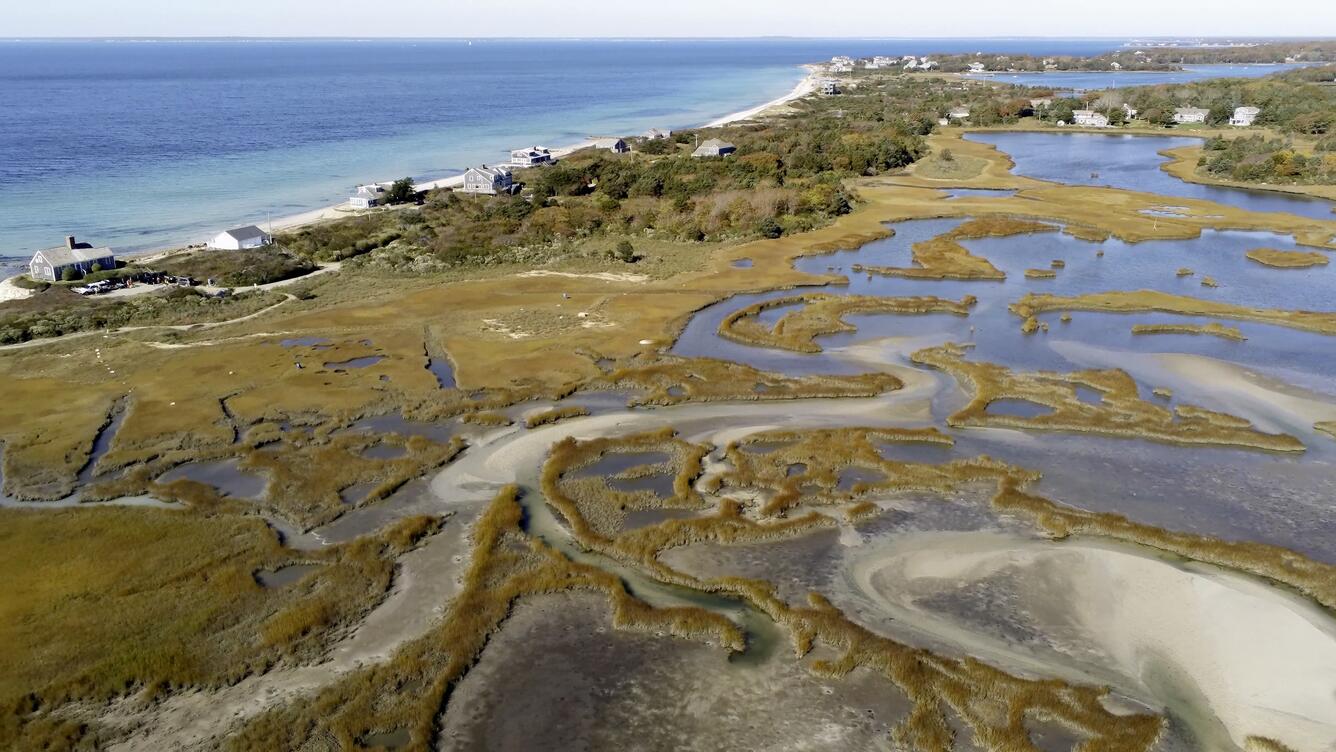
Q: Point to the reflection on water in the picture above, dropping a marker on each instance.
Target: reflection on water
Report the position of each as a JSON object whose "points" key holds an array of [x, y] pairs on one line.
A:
{"points": [[224, 475]]}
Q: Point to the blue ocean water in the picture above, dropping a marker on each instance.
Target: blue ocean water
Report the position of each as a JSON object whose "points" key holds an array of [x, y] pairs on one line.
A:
{"points": [[1087, 80], [149, 143]]}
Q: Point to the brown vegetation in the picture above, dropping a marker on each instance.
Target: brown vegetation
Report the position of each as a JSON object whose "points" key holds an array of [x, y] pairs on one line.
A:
{"points": [[1141, 301], [1214, 329], [1287, 259], [1120, 410], [820, 314]]}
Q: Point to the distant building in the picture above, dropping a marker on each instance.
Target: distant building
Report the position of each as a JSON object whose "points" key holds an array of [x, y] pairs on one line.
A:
{"points": [[714, 148], [1244, 116], [830, 86], [959, 113], [612, 144], [1041, 102], [1115, 66], [488, 180], [241, 238], [1129, 111], [1090, 119], [943, 121], [50, 265], [654, 134], [978, 67], [1184, 115], [530, 157]]}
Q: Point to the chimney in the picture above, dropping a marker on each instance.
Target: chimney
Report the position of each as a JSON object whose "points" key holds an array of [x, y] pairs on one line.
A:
{"points": [[69, 242]]}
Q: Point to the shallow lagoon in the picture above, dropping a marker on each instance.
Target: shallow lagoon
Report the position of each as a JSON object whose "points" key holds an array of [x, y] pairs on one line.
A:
{"points": [[1133, 163]]}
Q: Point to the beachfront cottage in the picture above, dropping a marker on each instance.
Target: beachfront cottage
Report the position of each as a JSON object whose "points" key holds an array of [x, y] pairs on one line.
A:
{"points": [[830, 87], [1244, 116], [654, 134], [1185, 115], [714, 148], [366, 196], [241, 238], [959, 113], [50, 265], [978, 67], [530, 157], [1090, 118], [488, 180], [616, 145]]}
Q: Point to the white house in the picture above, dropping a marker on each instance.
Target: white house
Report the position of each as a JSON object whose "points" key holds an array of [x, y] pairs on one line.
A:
{"points": [[1129, 111], [714, 148], [1115, 65], [612, 144], [1244, 116], [978, 67], [366, 196], [241, 238], [488, 180], [654, 134], [1040, 102], [959, 113], [830, 86], [50, 265], [530, 157], [1090, 119], [1184, 115]]}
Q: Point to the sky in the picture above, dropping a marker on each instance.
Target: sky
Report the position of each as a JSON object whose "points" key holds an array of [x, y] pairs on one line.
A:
{"points": [[691, 18]]}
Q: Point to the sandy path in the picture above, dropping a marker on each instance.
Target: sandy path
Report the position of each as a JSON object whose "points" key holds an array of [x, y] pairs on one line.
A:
{"points": [[164, 327], [1230, 655]]}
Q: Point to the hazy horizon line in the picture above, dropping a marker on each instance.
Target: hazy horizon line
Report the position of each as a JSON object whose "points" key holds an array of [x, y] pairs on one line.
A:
{"points": [[485, 37]]}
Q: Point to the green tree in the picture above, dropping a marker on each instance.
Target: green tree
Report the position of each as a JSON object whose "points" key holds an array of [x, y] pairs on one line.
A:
{"points": [[95, 268], [401, 192], [625, 252], [770, 228]]}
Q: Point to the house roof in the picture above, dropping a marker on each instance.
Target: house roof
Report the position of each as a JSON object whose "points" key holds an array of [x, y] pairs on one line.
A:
{"points": [[1192, 111], [62, 255], [715, 143], [491, 172], [249, 232], [605, 143]]}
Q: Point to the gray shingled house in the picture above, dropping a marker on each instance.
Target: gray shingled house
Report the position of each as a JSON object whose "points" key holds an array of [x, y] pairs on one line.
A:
{"points": [[50, 265]]}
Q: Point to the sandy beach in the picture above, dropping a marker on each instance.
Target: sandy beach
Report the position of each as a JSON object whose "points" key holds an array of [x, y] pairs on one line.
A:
{"points": [[302, 219], [802, 89], [1230, 655]]}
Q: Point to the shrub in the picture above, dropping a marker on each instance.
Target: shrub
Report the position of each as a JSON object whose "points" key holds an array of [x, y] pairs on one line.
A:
{"points": [[69, 275]]}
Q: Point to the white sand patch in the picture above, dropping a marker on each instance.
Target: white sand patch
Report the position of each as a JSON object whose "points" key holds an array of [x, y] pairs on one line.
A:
{"points": [[601, 276], [1271, 404], [10, 291], [1232, 656], [495, 326], [804, 87]]}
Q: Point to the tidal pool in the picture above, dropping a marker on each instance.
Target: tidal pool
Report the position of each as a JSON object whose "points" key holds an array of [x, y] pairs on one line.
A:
{"points": [[1133, 163]]}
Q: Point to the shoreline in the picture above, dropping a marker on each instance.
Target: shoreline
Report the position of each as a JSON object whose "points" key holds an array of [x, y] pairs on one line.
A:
{"points": [[804, 87]]}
